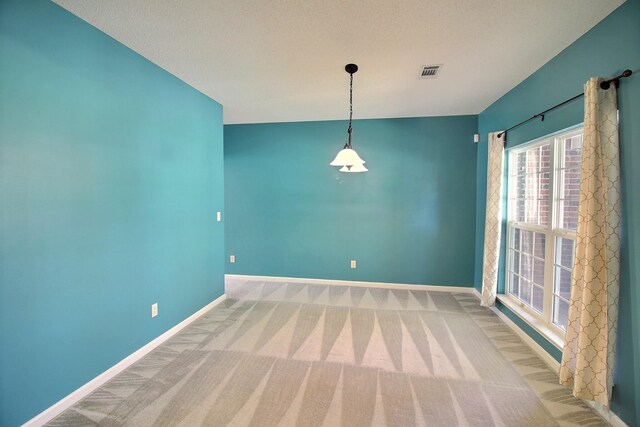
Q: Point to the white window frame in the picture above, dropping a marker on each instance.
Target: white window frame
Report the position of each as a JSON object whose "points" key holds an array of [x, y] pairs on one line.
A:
{"points": [[541, 322]]}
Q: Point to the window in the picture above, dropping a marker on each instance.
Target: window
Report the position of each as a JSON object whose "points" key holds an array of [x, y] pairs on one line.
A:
{"points": [[543, 194]]}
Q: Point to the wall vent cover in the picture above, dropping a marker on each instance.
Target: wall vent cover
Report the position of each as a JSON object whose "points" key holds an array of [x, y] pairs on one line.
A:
{"points": [[429, 71]]}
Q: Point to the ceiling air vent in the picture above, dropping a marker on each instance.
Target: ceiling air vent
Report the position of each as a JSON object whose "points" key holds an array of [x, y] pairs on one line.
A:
{"points": [[429, 71]]}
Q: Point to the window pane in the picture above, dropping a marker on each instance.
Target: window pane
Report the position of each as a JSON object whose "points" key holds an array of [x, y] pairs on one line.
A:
{"points": [[544, 194], [564, 252], [545, 157], [512, 167], [526, 241], [560, 312], [539, 245], [521, 162], [529, 185], [515, 281], [533, 160], [516, 238], [525, 291], [521, 180], [537, 298], [520, 186], [570, 183], [572, 152], [520, 210], [510, 259], [531, 211], [538, 271], [563, 283], [543, 212], [564, 267], [569, 214], [526, 267]]}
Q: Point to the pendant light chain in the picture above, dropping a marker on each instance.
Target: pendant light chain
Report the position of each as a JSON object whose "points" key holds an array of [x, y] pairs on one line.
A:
{"points": [[350, 106]]}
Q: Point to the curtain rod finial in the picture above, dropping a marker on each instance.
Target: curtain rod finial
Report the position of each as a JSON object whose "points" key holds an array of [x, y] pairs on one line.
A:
{"points": [[607, 83]]}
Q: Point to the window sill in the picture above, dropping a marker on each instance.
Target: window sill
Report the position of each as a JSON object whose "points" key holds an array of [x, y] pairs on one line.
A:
{"points": [[539, 326]]}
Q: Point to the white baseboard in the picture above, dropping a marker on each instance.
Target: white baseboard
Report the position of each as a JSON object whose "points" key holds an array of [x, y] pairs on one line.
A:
{"points": [[349, 283], [71, 399], [604, 412]]}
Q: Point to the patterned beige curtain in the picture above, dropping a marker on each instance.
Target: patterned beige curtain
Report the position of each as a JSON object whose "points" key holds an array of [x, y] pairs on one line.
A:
{"points": [[588, 354], [493, 220]]}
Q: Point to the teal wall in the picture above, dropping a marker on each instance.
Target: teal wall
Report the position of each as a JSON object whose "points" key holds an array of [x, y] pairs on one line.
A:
{"points": [[410, 219], [111, 172], [609, 48]]}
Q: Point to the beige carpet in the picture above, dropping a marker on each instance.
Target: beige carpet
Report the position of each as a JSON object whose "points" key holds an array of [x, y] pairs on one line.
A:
{"points": [[314, 355]]}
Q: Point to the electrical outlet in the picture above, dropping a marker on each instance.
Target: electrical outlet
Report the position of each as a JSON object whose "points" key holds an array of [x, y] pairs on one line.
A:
{"points": [[232, 259], [353, 263], [219, 216], [154, 310]]}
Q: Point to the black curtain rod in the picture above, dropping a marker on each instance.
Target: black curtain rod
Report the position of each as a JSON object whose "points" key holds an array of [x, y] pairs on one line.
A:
{"points": [[606, 84]]}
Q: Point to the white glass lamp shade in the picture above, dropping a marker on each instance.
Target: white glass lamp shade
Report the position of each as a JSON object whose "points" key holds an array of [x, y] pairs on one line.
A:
{"points": [[346, 157], [358, 167]]}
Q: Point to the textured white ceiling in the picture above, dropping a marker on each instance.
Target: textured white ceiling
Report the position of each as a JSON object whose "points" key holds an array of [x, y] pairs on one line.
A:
{"points": [[283, 60]]}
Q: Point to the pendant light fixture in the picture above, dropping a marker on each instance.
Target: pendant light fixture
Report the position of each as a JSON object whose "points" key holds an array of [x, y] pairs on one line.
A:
{"points": [[347, 157]]}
